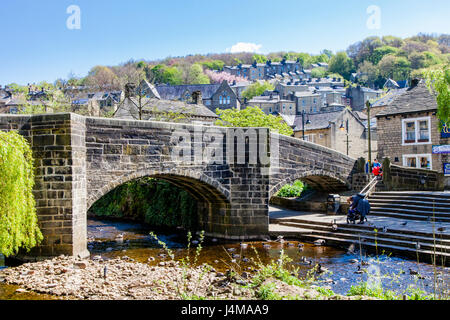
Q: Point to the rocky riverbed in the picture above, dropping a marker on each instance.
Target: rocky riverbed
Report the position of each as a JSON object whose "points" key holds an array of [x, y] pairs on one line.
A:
{"points": [[122, 279]]}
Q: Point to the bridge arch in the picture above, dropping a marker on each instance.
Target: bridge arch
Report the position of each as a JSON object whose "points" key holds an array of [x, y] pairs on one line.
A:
{"points": [[318, 179], [212, 198], [199, 185]]}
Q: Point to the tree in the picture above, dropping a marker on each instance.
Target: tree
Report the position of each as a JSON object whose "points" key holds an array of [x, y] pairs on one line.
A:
{"points": [[380, 52], [213, 64], [219, 77], [392, 41], [342, 64], [253, 117], [103, 78], [368, 73], [18, 219], [329, 53], [163, 74], [196, 75], [260, 58], [396, 68], [438, 81], [304, 59], [257, 89], [318, 72]]}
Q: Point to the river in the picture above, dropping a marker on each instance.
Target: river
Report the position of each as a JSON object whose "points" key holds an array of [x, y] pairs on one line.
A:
{"points": [[110, 239]]}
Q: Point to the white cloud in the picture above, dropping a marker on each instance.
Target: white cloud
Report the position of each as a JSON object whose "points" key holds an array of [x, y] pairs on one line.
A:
{"points": [[244, 47]]}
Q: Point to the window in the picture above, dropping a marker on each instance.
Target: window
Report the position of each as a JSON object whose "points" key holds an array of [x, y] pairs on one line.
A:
{"points": [[270, 110], [220, 100], [228, 100], [423, 131], [416, 131], [310, 138], [422, 161]]}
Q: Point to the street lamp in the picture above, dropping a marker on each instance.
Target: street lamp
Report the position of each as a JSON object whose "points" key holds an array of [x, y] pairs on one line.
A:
{"points": [[342, 128], [303, 122]]}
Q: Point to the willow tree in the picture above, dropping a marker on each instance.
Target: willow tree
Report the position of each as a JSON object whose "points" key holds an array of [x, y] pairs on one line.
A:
{"points": [[18, 220], [438, 80]]}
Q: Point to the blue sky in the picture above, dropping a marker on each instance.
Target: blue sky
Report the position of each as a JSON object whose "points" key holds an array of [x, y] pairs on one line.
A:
{"points": [[37, 45]]}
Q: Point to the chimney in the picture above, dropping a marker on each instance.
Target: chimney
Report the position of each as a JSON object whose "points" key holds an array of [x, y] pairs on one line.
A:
{"points": [[130, 90], [414, 83], [197, 97]]}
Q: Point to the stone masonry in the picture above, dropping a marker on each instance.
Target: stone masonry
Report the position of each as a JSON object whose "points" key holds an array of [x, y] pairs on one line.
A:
{"points": [[80, 159]]}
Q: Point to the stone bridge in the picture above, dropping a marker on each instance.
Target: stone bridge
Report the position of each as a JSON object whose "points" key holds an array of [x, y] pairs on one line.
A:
{"points": [[232, 172]]}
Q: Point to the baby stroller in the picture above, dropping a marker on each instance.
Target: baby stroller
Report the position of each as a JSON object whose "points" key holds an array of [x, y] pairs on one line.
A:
{"points": [[359, 209], [354, 215]]}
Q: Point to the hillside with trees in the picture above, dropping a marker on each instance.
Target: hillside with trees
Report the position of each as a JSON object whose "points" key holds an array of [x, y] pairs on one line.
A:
{"points": [[372, 60]]}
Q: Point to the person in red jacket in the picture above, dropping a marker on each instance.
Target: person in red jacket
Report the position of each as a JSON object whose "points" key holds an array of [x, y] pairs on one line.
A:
{"points": [[377, 169]]}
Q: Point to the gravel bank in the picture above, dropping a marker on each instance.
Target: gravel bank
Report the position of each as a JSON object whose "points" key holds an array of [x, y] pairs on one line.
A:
{"points": [[125, 279]]}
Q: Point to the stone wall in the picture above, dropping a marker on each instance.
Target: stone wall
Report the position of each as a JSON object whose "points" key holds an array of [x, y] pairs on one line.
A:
{"points": [[413, 179], [320, 167]]}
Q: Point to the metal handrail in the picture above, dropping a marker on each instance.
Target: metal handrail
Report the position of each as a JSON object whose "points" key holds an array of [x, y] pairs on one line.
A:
{"points": [[369, 187]]}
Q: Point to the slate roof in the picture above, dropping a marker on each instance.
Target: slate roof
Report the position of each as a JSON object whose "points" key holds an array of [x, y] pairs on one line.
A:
{"points": [[415, 99], [152, 106], [388, 98], [318, 120], [167, 92]]}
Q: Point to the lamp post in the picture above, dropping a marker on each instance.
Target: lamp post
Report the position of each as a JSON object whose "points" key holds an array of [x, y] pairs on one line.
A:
{"points": [[303, 123], [368, 105], [345, 128]]}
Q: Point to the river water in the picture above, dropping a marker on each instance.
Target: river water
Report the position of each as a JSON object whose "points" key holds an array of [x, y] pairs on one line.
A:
{"points": [[111, 239]]}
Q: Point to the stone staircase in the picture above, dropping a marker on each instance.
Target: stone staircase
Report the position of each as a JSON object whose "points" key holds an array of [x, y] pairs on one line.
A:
{"points": [[422, 245], [421, 206]]}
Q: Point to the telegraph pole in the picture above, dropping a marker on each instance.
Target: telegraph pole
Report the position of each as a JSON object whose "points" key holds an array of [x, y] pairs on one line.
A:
{"points": [[369, 136]]}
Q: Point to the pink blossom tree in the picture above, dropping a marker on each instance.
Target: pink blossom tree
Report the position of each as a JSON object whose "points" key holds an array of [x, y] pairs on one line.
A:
{"points": [[219, 77]]}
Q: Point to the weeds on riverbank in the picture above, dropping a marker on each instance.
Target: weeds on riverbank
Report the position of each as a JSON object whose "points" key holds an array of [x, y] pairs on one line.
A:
{"points": [[280, 279]]}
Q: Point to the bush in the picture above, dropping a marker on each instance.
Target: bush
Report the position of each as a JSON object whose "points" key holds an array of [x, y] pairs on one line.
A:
{"points": [[291, 191]]}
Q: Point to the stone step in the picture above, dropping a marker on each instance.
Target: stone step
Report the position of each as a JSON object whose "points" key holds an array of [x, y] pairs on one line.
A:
{"points": [[305, 234], [413, 203], [409, 196], [381, 237], [410, 210], [384, 213], [365, 227]]}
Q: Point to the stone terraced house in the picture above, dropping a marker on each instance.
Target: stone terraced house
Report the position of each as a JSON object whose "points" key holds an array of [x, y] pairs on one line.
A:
{"points": [[408, 129]]}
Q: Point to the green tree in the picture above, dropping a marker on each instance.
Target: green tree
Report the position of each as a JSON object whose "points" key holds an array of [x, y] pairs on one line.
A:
{"points": [[213, 64], [380, 52], [438, 80], [342, 64], [259, 58], [252, 117], [396, 68], [18, 219], [257, 89], [196, 75], [368, 73], [318, 72]]}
